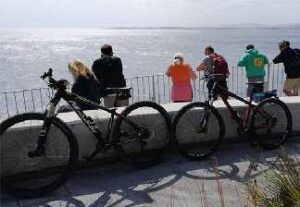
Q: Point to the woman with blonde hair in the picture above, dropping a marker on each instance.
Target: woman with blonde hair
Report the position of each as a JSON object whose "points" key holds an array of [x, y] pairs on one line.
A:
{"points": [[181, 74], [85, 84]]}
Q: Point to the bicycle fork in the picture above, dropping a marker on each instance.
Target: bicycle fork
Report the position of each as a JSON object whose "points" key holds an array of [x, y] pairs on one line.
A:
{"points": [[42, 137], [203, 124]]}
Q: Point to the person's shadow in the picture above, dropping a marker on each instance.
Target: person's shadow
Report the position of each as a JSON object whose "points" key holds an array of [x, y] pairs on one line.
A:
{"points": [[119, 185]]}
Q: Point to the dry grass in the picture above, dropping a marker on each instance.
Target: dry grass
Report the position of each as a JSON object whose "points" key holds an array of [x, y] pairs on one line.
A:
{"points": [[279, 186]]}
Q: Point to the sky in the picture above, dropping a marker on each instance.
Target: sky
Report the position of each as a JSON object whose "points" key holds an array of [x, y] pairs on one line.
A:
{"points": [[147, 13]]}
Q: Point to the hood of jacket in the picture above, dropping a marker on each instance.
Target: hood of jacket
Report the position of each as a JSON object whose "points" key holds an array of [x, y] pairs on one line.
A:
{"points": [[252, 52]]}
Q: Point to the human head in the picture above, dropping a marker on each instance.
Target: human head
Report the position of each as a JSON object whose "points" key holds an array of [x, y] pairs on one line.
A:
{"points": [[106, 49], [249, 47], [209, 50], [178, 58], [283, 45], [77, 68]]}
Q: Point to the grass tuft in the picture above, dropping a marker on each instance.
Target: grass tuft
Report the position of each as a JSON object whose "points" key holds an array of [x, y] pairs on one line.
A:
{"points": [[277, 187]]}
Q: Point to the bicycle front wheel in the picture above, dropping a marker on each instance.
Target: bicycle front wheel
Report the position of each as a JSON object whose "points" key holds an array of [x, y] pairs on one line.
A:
{"points": [[25, 175], [198, 130], [271, 123], [143, 141]]}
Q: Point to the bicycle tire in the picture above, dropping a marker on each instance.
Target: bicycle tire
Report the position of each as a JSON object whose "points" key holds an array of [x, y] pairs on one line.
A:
{"points": [[137, 150], [203, 140], [40, 175], [262, 135]]}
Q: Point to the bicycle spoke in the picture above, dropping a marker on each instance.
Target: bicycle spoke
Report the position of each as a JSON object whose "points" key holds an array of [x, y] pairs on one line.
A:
{"points": [[271, 123]]}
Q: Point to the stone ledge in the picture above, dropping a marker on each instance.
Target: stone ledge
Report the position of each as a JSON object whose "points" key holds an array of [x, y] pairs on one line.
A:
{"points": [[87, 142]]}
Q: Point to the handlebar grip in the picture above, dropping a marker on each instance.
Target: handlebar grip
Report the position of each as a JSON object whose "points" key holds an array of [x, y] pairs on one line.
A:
{"points": [[47, 74]]}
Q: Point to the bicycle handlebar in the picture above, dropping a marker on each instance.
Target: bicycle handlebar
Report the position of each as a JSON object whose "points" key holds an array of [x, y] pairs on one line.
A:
{"points": [[47, 74], [52, 83], [212, 76]]}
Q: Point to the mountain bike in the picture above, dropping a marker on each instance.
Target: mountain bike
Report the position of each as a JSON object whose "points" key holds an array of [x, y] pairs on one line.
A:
{"points": [[198, 128], [39, 151]]}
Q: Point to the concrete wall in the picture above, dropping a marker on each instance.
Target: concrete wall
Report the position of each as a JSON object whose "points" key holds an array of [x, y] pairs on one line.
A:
{"points": [[87, 142]]}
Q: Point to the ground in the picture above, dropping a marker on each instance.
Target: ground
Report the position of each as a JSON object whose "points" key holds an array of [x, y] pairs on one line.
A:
{"points": [[174, 182]]}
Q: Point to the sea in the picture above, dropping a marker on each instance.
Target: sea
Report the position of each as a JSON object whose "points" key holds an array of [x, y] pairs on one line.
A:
{"points": [[26, 53]]}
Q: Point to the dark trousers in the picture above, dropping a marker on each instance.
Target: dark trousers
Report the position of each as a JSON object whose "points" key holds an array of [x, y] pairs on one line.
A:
{"points": [[222, 83]]}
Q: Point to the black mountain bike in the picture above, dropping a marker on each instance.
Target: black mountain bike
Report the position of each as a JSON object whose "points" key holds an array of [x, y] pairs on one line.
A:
{"points": [[199, 128], [39, 151]]}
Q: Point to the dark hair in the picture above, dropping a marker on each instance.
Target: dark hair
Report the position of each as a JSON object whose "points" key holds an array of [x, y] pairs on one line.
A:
{"points": [[106, 49], [283, 44], [210, 49], [249, 47]]}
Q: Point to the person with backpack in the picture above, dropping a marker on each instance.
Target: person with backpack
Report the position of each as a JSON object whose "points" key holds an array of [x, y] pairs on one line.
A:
{"points": [[181, 74], [108, 70], [291, 62], [214, 63], [254, 63]]}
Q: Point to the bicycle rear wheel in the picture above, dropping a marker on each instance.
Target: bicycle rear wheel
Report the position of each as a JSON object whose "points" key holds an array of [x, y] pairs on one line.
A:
{"points": [[198, 130], [25, 175], [143, 144], [271, 123]]}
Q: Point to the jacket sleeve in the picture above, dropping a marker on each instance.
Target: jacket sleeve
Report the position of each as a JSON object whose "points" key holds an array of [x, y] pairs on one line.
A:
{"points": [[95, 71], [297, 52], [278, 59], [241, 61], [119, 65], [78, 88]]}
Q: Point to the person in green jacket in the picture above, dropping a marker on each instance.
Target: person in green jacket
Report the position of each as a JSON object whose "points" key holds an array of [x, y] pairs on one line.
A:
{"points": [[254, 62]]}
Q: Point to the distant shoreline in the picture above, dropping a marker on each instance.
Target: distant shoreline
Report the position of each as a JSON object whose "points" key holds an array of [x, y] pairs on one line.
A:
{"points": [[216, 27], [220, 27]]}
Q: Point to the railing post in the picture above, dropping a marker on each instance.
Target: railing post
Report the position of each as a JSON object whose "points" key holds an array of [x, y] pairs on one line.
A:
{"points": [[16, 104], [32, 98], [199, 85], [153, 89], [158, 91], [268, 77], [6, 103], [138, 88]]}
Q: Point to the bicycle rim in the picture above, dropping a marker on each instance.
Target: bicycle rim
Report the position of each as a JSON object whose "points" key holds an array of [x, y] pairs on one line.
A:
{"points": [[144, 145], [198, 129], [271, 123], [27, 176]]}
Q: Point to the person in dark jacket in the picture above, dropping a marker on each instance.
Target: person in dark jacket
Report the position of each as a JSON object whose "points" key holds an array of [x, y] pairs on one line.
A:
{"points": [[108, 70], [85, 85], [291, 61]]}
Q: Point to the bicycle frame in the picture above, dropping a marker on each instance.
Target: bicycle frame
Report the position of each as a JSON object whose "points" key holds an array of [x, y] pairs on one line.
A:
{"points": [[72, 99], [242, 121]]}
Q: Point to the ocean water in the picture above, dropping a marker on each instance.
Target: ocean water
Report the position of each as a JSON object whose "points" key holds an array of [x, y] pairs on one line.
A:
{"points": [[28, 52]]}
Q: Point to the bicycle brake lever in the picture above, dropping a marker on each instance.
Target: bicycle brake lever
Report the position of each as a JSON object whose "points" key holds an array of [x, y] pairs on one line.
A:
{"points": [[47, 74]]}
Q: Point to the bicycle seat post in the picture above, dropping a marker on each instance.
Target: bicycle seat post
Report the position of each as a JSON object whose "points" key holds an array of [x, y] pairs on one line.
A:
{"points": [[117, 97]]}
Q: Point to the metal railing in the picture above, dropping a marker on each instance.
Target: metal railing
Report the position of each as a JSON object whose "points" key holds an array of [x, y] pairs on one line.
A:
{"points": [[155, 88]]}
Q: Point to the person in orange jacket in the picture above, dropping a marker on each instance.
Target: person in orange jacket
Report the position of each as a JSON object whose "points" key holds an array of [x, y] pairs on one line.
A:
{"points": [[181, 75]]}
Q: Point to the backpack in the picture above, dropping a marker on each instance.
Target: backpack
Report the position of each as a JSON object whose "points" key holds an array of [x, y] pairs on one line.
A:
{"points": [[220, 65]]}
